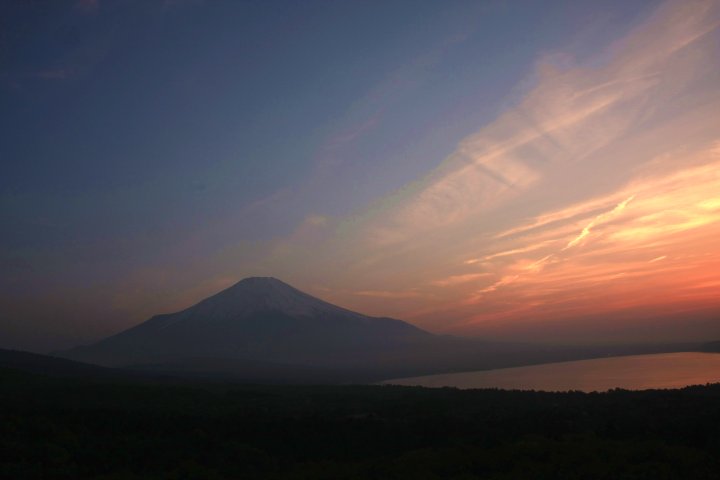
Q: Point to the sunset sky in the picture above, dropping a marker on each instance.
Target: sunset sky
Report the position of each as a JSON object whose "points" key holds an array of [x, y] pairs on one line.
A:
{"points": [[531, 170]]}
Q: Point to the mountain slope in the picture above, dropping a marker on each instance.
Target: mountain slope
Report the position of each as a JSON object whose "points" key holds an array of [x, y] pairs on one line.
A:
{"points": [[259, 319], [49, 365]]}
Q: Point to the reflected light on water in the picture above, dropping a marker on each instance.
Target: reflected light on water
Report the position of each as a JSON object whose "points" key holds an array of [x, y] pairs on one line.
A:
{"points": [[639, 372]]}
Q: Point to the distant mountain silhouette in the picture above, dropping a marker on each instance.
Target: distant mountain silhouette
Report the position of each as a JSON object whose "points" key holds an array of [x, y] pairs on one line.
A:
{"points": [[262, 329], [18, 364], [259, 319], [48, 365]]}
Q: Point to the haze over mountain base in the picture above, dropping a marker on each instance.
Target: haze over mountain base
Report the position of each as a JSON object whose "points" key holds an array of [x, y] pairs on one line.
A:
{"points": [[262, 329]]}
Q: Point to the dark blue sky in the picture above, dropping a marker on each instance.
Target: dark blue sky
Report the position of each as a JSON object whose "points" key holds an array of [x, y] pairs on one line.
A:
{"points": [[141, 134]]}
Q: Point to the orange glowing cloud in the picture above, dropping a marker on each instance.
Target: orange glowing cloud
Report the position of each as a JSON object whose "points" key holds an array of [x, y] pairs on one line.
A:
{"points": [[599, 192]]}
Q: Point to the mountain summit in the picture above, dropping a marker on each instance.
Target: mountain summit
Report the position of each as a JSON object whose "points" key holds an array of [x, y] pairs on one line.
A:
{"points": [[262, 294], [259, 319]]}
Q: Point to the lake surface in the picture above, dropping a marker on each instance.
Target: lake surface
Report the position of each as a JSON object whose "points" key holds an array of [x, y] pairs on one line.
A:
{"points": [[638, 372]]}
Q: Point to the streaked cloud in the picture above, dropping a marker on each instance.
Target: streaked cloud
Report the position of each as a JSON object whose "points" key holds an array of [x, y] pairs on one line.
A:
{"points": [[597, 220], [458, 279], [387, 294], [598, 192]]}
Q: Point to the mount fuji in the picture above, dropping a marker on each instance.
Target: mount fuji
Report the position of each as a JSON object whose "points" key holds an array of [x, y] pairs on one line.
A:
{"points": [[259, 319], [262, 329]]}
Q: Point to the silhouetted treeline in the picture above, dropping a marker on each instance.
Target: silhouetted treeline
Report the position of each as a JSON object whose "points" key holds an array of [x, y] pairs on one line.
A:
{"points": [[54, 428]]}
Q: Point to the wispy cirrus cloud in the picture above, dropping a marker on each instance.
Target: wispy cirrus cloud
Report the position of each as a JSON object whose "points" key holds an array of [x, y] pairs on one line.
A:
{"points": [[458, 279], [597, 192], [663, 220], [387, 294]]}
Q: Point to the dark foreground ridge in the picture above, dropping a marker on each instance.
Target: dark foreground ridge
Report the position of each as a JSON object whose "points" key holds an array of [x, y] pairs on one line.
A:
{"points": [[85, 428]]}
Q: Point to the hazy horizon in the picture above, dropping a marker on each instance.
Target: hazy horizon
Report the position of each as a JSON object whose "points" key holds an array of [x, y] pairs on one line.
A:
{"points": [[457, 165]]}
